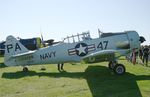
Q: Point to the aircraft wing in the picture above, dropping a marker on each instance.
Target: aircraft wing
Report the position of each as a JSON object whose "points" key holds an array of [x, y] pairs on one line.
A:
{"points": [[103, 55]]}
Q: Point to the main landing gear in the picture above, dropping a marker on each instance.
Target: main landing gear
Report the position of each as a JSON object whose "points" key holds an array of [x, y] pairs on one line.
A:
{"points": [[118, 69]]}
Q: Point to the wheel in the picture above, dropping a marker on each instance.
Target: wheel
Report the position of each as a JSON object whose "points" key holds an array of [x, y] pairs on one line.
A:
{"points": [[25, 69], [119, 69], [43, 68]]}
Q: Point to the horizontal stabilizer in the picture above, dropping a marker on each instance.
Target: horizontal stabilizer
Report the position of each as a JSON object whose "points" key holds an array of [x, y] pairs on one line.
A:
{"points": [[23, 54]]}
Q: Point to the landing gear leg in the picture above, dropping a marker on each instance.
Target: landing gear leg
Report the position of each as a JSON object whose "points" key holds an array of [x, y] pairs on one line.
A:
{"points": [[112, 64], [25, 69]]}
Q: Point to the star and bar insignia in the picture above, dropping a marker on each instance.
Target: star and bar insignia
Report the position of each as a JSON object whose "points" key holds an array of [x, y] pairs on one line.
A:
{"points": [[81, 49]]}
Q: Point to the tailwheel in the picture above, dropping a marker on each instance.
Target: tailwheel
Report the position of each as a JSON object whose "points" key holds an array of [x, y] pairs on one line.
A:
{"points": [[119, 69], [25, 69]]}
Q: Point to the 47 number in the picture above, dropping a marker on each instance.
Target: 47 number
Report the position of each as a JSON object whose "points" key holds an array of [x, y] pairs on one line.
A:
{"points": [[103, 45]]}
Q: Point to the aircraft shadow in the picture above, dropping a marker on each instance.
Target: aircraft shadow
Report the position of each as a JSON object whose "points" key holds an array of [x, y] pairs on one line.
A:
{"points": [[99, 79], [102, 84], [2, 65]]}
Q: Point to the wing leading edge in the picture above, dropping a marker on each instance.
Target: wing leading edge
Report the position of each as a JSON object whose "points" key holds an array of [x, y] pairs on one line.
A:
{"points": [[103, 55]]}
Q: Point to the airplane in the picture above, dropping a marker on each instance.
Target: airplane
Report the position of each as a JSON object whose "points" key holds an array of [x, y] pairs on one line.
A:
{"points": [[76, 48]]}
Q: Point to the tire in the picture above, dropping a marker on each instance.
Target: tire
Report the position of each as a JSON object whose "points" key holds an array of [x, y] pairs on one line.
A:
{"points": [[119, 69], [25, 69]]}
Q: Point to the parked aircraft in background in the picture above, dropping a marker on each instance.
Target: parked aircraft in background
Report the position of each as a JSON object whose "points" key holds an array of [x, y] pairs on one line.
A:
{"points": [[108, 47]]}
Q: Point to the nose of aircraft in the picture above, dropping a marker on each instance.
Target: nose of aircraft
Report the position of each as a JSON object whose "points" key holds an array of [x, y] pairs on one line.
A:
{"points": [[142, 39]]}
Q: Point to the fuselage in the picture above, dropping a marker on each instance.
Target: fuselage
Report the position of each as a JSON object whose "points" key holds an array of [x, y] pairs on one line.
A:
{"points": [[73, 52]]}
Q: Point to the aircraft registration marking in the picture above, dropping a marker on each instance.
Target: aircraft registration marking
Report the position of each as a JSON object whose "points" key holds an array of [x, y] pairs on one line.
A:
{"points": [[24, 58]]}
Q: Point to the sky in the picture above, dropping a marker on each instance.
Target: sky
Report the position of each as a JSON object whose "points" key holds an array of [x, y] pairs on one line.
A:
{"points": [[57, 19]]}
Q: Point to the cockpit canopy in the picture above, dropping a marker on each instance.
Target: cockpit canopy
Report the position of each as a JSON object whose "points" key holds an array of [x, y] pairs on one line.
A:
{"points": [[77, 38]]}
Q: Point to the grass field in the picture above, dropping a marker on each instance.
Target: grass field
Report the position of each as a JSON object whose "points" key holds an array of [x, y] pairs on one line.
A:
{"points": [[80, 80]]}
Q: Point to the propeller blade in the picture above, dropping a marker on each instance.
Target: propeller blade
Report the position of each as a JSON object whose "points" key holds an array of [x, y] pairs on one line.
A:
{"points": [[142, 39]]}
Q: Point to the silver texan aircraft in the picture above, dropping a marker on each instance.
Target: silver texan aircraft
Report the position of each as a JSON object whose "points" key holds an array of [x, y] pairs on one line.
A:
{"points": [[107, 47]]}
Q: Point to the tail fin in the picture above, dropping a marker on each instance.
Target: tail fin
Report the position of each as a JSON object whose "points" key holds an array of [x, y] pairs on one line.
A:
{"points": [[13, 47]]}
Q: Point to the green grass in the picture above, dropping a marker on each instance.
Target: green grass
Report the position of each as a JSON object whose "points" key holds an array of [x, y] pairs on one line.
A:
{"points": [[80, 80]]}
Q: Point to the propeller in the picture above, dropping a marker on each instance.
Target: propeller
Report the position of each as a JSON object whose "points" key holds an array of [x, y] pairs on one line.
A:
{"points": [[142, 39]]}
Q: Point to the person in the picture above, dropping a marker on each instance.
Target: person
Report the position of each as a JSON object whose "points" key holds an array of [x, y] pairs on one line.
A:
{"points": [[133, 56], [145, 55], [60, 66], [141, 53]]}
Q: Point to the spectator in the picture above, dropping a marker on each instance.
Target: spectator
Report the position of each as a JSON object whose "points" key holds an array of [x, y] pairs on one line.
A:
{"points": [[60, 66], [133, 57], [145, 55], [141, 53]]}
